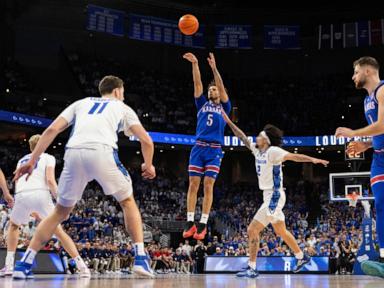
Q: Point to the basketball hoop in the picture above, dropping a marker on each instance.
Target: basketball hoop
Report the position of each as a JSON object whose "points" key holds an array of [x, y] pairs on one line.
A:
{"points": [[352, 199]]}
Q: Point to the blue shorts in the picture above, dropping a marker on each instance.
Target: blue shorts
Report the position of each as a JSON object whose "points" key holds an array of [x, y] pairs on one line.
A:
{"points": [[205, 160], [377, 169]]}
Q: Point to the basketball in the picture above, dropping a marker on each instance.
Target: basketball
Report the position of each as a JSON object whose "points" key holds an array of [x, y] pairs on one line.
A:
{"points": [[188, 24]]}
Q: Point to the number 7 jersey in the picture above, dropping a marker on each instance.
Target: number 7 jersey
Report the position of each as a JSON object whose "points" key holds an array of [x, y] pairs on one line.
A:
{"points": [[97, 121], [210, 122]]}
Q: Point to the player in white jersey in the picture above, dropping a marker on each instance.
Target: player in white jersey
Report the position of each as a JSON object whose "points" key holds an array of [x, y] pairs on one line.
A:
{"points": [[91, 153], [268, 159], [34, 196]]}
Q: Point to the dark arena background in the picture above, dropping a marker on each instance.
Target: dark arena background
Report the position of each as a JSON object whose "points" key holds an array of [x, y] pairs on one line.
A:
{"points": [[291, 67]]}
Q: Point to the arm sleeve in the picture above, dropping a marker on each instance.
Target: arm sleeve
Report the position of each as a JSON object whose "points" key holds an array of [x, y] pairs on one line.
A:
{"points": [[130, 118], [227, 106], [200, 101], [277, 154]]}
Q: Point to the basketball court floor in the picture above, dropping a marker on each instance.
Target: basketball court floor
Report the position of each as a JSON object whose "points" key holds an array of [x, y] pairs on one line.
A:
{"points": [[197, 281]]}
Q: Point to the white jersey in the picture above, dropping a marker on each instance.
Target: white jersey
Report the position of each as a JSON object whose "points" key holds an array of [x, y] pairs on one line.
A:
{"points": [[269, 167], [37, 180], [97, 121]]}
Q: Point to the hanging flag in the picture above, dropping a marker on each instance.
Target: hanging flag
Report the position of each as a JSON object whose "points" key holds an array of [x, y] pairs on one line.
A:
{"points": [[376, 32], [350, 35], [363, 34], [337, 39], [324, 36]]}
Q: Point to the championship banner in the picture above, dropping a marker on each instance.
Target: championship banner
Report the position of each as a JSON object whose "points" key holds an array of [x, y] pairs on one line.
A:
{"points": [[281, 37], [106, 20], [147, 28], [233, 36]]}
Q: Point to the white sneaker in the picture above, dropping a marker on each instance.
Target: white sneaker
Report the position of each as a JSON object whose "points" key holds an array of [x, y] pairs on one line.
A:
{"points": [[6, 271], [85, 272]]}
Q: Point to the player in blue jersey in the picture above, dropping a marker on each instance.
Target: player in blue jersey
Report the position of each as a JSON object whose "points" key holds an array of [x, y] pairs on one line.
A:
{"points": [[366, 76], [206, 155]]}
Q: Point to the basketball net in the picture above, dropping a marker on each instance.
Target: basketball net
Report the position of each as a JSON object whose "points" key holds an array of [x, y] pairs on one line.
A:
{"points": [[352, 199]]}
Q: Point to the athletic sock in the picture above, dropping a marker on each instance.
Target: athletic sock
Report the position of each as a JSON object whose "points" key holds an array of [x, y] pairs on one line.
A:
{"points": [[299, 255], [190, 216], [29, 256], [204, 218]]}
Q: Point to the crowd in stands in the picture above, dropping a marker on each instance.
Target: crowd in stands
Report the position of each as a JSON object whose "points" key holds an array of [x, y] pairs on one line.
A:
{"points": [[97, 225], [164, 102]]}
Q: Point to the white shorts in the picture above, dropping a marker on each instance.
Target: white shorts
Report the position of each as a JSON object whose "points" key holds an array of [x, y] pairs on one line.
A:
{"points": [[265, 215], [27, 202], [84, 165]]}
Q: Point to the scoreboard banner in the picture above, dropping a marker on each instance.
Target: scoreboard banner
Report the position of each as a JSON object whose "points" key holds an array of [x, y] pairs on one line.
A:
{"points": [[271, 264], [106, 20], [46, 262], [233, 36], [147, 28], [183, 139]]}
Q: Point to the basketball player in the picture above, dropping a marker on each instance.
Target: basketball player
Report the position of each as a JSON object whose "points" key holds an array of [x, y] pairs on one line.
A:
{"points": [[34, 197], [206, 155], [269, 158], [4, 187], [91, 153], [366, 76]]}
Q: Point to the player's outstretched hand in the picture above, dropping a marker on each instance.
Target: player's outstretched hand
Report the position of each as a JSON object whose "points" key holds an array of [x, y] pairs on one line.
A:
{"points": [[355, 147], [320, 161], [212, 61], [9, 199], [26, 168], [344, 132], [148, 172], [190, 57]]}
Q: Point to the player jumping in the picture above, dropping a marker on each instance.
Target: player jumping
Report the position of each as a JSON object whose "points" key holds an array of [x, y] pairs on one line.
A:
{"points": [[206, 155], [268, 160]]}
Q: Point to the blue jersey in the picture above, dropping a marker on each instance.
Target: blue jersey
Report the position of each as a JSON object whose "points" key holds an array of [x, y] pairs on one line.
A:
{"points": [[371, 110], [210, 122]]}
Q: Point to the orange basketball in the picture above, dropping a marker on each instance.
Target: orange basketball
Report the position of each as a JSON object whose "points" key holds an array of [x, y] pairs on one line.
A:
{"points": [[188, 24]]}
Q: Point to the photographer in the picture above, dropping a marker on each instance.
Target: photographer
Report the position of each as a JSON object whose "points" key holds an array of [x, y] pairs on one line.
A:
{"points": [[344, 255]]}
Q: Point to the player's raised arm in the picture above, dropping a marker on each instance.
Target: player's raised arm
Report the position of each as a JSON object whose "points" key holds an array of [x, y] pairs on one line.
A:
{"points": [[49, 134], [304, 158], [237, 131], [373, 129], [198, 85], [218, 80]]}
